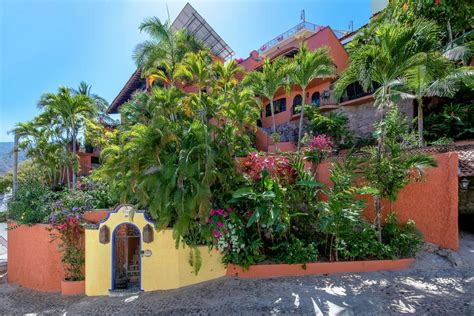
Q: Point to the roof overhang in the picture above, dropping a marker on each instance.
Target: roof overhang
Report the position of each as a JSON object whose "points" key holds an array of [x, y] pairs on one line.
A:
{"points": [[191, 20]]}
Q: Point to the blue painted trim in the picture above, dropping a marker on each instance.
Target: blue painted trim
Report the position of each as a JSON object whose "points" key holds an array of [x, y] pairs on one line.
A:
{"points": [[113, 253], [145, 215]]}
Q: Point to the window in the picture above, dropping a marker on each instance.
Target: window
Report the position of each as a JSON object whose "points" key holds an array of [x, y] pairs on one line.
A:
{"points": [[297, 101], [316, 99], [279, 106]]}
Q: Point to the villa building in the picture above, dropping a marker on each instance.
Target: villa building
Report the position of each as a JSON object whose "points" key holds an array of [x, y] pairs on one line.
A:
{"points": [[356, 103]]}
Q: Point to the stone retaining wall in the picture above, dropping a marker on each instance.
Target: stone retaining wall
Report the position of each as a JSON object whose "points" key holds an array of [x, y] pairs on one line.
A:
{"points": [[362, 117]]}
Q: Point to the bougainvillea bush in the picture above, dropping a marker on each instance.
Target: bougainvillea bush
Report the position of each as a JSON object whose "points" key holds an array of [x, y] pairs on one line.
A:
{"points": [[276, 166], [67, 228]]}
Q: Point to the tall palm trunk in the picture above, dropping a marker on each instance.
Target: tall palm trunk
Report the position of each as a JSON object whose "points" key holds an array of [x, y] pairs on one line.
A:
{"points": [[74, 152], [420, 122], [273, 115], [300, 129], [380, 152]]}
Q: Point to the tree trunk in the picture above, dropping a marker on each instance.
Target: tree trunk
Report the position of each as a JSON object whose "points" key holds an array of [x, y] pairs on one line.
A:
{"points": [[420, 122], [378, 217], [450, 34], [380, 152], [15, 165], [300, 129], [273, 116], [74, 152]]}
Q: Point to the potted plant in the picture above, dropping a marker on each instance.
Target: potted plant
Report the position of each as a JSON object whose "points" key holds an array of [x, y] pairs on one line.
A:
{"points": [[67, 228]]}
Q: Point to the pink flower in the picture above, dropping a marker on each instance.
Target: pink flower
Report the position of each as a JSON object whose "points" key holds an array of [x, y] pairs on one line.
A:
{"points": [[219, 224], [216, 233], [321, 142]]}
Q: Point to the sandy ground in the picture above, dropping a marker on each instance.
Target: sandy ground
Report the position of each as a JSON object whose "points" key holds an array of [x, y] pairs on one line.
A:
{"points": [[431, 286]]}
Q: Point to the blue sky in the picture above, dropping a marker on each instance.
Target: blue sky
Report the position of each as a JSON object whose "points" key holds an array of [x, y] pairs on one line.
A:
{"points": [[48, 43]]}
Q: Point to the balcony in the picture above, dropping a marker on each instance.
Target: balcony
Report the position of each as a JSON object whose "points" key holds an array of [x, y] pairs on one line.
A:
{"points": [[355, 91], [288, 34]]}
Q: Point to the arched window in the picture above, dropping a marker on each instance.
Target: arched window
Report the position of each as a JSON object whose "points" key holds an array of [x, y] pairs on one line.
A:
{"points": [[297, 101], [316, 99], [279, 106]]}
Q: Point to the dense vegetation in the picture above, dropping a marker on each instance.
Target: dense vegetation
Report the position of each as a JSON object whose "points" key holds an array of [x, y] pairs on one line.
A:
{"points": [[188, 158]]}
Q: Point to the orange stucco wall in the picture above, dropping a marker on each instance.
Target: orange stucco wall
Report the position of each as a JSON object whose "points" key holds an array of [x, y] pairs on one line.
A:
{"points": [[286, 116], [33, 260], [432, 203], [323, 38]]}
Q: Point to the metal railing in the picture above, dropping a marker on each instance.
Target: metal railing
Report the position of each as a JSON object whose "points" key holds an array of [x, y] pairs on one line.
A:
{"points": [[291, 32], [283, 36]]}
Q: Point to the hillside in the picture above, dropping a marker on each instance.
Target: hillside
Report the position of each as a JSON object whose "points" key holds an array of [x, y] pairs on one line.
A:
{"points": [[6, 158]]}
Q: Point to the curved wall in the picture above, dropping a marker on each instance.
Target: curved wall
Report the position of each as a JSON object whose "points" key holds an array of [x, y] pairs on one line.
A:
{"points": [[33, 260]]}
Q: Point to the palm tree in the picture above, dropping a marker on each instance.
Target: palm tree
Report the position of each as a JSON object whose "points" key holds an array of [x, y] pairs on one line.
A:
{"points": [[306, 67], [267, 82], [393, 51], [159, 57], [226, 75], [72, 109], [436, 77]]}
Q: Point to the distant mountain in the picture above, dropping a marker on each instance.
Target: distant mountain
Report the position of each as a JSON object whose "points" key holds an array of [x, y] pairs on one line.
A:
{"points": [[6, 157]]}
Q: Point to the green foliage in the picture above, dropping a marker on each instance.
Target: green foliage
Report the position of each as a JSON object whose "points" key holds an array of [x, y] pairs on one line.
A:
{"points": [[88, 194], [174, 154], [455, 17], [265, 83], [340, 214], [390, 166], [333, 124], [306, 66], [455, 121], [32, 204], [73, 260], [295, 251], [404, 240], [396, 166], [266, 204], [195, 259], [25, 169], [251, 254], [360, 243]]}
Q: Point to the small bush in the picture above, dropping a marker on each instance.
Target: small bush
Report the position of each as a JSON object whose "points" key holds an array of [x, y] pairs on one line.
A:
{"points": [[402, 240], [32, 204], [295, 251]]}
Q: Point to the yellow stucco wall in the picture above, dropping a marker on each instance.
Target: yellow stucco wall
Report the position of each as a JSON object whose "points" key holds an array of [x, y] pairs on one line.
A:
{"points": [[166, 268]]}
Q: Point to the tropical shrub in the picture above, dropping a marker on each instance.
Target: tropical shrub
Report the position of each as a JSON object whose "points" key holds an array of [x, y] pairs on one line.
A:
{"points": [[67, 228], [402, 240], [340, 218], [318, 148], [332, 124], [178, 161], [232, 238], [32, 204], [276, 166], [294, 251], [454, 121], [390, 166]]}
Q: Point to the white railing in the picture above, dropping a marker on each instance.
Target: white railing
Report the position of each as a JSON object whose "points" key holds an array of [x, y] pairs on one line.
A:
{"points": [[291, 32]]}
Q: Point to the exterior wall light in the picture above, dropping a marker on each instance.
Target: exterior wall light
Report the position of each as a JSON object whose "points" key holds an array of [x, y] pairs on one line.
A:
{"points": [[464, 183]]}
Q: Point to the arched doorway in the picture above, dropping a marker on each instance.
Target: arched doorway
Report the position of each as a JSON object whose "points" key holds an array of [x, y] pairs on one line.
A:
{"points": [[126, 258]]}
